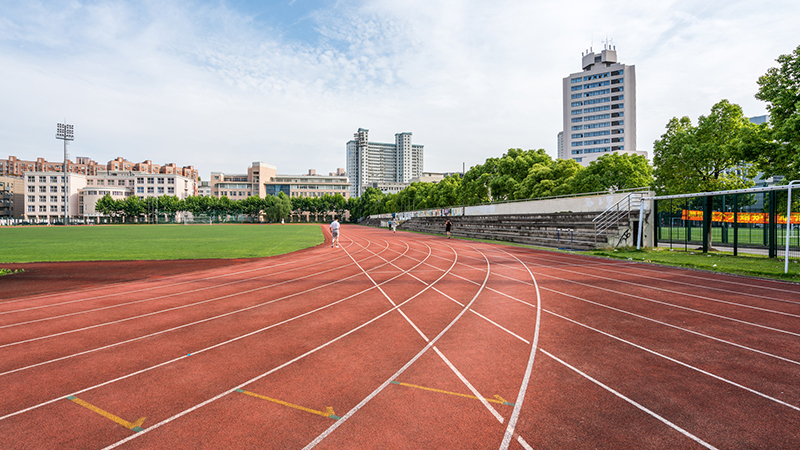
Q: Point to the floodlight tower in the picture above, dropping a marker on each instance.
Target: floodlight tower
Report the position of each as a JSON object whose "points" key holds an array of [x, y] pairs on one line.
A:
{"points": [[65, 133]]}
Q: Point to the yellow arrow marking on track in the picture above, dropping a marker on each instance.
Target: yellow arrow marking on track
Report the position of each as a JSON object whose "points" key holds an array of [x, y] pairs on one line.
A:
{"points": [[134, 426], [327, 413], [496, 399]]}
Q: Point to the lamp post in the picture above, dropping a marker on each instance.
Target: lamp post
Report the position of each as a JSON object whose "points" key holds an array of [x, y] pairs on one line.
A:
{"points": [[65, 133]]}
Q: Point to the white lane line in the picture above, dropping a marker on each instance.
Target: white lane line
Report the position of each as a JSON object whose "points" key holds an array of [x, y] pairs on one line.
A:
{"points": [[717, 277], [176, 294], [678, 293], [425, 338], [76, 330], [778, 330], [723, 341], [664, 356], [681, 363], [469, 385], [126, 292], [383, 386], [193, 353], [512, 421], [524, 444], [703, 286], [275, 369], [637, 405]]}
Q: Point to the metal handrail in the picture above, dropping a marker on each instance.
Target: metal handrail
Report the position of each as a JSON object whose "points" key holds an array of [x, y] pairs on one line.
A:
{"points": [[614, 213]]}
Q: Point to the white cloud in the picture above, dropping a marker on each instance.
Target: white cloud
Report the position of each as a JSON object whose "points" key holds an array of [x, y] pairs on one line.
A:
{"points": [[204, 84]]}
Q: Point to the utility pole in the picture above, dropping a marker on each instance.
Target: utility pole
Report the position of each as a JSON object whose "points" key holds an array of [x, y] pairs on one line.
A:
{"points": [[65, 133]]}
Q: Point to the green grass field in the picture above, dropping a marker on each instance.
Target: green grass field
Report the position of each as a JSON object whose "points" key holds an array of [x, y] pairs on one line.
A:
{"points": [[149, 242]]}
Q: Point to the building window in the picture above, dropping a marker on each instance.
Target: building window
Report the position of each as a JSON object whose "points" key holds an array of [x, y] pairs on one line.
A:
{"points": [[577, 127], [150, 189], [170, 190], [53, 198], [578, 119], [31, 208], [42, 179], [577, 135], [151, 180], [577, 104], [140, 189], [170, 180], [31, 198], [31, 188], [140, 180], [160, 181], [31, 179], [160, 190], [42, 188], [42, 208]]}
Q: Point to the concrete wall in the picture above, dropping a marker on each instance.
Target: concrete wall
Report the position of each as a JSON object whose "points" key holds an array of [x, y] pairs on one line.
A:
{"points": [[595, 203]]}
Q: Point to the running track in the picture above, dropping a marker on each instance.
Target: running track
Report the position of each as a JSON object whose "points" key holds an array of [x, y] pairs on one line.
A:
{"points": [[406, 341]]}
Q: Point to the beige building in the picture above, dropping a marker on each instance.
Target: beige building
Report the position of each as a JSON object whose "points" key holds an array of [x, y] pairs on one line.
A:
{"points": [[243, 185], [599, 109], [44, 192], [86, 166]]}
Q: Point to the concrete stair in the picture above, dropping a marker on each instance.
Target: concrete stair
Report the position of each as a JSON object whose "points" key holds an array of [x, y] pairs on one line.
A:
{"points": [[573, 231]]}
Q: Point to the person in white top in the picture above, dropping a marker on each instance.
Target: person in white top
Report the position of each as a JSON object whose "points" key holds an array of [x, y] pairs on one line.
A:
{"points": [[335, 233]]}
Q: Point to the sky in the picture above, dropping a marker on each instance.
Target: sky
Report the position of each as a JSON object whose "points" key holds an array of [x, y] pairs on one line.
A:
{"points": [[221, 84]]}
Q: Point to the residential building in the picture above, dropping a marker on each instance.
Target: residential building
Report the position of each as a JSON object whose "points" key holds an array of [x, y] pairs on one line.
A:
{"points": [[241, 185], [310, 185], [599, 109], [11, 199], [44, 192], [86, 166], [388, 167]]}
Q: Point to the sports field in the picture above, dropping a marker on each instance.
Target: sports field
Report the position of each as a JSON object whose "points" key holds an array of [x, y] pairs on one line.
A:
{"points": [[403, 341], [153, 242]]}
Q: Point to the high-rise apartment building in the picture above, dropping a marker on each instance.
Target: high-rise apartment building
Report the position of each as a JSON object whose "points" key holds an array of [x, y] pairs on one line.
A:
{"points": [[388, 167], [599, 109]]}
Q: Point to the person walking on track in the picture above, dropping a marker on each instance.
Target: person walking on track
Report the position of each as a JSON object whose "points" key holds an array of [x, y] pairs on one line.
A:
{"points": [[394, 225], [335, 233], [447, 226]]}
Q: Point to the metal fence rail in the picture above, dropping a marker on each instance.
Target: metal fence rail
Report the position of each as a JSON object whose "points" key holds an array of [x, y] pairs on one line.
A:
{"points": [[749, 220]]}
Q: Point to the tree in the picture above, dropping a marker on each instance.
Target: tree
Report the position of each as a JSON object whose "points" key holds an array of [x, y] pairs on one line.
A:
{"points": [[704, 158], [617, 171], [776, 146]]}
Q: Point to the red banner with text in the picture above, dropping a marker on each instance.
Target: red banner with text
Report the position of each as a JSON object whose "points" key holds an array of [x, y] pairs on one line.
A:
{"points": [[727, 217]]}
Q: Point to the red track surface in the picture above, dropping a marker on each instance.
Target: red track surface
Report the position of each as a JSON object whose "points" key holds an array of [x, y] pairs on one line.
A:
{"points": [[402, 341]]}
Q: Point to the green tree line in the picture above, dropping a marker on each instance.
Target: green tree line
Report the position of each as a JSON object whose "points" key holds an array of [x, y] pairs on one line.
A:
{"points": [[518, 174]]}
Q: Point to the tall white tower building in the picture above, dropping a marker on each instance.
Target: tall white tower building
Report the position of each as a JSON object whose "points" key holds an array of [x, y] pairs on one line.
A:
{"points": [[388, 167], [599, 109]]}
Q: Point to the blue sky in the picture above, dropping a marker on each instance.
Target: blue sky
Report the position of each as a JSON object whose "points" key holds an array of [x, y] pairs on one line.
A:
{"points": [[220, 84]]}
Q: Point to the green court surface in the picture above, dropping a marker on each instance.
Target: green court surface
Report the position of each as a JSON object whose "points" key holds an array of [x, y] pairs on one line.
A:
{"points": [[149, 242]]}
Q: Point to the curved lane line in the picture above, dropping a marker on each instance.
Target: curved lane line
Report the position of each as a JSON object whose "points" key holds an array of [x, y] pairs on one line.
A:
{"points": [[173, 328], [449, 364], [160, 286], [167, 278], [165, 310], [144, 300], [275, 369], [386, 383], [512, 422]]}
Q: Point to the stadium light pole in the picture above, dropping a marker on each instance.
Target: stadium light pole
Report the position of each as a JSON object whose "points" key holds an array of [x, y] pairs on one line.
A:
{"points": [[65, 133]]}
